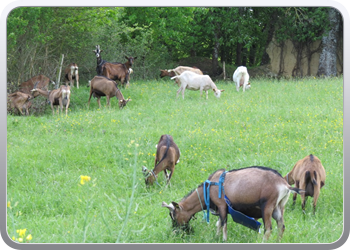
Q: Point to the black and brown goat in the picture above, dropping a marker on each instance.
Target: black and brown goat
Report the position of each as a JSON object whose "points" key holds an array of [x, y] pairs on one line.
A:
{"points": [[71, 73], [19, 101], [257, 192], [40, 81], [118, 71], [100, 62], [167, 156], [102, 86], [308, 174], [58, 97]]}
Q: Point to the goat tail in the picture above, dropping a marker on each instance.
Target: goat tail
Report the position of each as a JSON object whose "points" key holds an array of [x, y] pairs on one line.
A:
{"points": [[311, 177], [166, 151], [296, 190]]}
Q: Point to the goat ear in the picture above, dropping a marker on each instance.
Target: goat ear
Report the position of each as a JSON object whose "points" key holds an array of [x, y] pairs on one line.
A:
{"points": [[170, 206], [135, 57], [222, 90], [127, 57]]}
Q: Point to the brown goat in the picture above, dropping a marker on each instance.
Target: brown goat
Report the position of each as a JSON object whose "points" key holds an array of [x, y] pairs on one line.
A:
{"points": [[102, 86], [167, 156], [19, 101], [58, 97], [257, 192], [308, 174], [71, 73], [40, 82], [118, 71]]}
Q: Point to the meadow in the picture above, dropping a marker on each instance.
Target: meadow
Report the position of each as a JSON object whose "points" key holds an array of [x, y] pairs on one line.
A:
{"points": [[78, 178]]}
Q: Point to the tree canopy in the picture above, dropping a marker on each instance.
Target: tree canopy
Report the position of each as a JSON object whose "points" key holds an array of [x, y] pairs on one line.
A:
{"points": [[159, 36]]}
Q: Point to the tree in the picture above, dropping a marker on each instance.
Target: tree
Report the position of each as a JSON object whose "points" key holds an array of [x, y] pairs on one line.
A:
{"points": [[328, 57]]}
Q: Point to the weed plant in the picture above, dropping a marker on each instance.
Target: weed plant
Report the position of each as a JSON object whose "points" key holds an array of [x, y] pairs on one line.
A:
{"points": [[274, 124]]}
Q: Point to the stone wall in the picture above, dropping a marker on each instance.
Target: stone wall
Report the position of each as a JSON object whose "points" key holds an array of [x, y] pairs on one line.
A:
{"points": [[289, 59]]}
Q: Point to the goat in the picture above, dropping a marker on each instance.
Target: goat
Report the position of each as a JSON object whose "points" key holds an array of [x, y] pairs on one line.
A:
{"points": [[241, 78], [309, 174], [118, 71], [19, 101], [167, 156], [258, 192], [58, 97], [102, 86], [100, 62], [71, 74], [193, 81], [40, 81], [179, 70]]}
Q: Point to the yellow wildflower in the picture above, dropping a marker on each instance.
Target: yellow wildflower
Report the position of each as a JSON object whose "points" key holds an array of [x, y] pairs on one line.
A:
{"points": [[21, 232], [9, 204], [29, 237], [84, 178], [20, 239]]}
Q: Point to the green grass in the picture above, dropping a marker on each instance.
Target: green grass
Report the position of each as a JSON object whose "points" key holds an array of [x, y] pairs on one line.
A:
{"points": [[274, 124]]}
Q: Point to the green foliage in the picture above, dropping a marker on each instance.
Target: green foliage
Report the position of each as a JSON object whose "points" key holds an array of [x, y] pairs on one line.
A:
{"points": [[273, 124], [159, 36], [302, 24]]}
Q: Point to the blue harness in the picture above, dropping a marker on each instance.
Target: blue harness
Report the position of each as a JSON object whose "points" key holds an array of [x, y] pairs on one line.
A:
{"points": [[206, 191], [237, 216]]}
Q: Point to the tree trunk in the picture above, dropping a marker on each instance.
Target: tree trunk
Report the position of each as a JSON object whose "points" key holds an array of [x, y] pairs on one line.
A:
{"points": [[215, 59], [239, 54], [328, 58]]}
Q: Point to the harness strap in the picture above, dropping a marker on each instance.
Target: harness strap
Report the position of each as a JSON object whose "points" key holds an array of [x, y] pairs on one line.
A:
{"points": [[201, 204], [206, 191]]}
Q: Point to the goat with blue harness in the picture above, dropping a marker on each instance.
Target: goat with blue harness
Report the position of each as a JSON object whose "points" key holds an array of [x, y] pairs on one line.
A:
{"points": [[248, 193]]}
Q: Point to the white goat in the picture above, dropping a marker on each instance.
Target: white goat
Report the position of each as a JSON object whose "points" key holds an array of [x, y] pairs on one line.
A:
{"points": [[193, 81], [241, 78]]}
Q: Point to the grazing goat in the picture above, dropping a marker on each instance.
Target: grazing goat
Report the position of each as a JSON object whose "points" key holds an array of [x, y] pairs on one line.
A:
{"points": [[308, 174], [118, 71], [193, 81], [71, 74], [167, 156], [241, 78], [100, 62], [58, 97], [19, 101], [179, 70], [40, 81], [257, 192], [102, 86]]}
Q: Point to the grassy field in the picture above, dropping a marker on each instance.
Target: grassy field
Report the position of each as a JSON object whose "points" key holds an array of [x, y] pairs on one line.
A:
{"points": [[274, 124]]}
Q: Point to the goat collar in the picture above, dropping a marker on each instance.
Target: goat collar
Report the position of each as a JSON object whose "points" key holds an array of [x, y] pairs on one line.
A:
{"points": [[154, 175]]}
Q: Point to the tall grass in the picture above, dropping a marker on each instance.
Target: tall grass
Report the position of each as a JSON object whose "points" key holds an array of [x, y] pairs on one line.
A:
{"points": [[274, 124]]}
